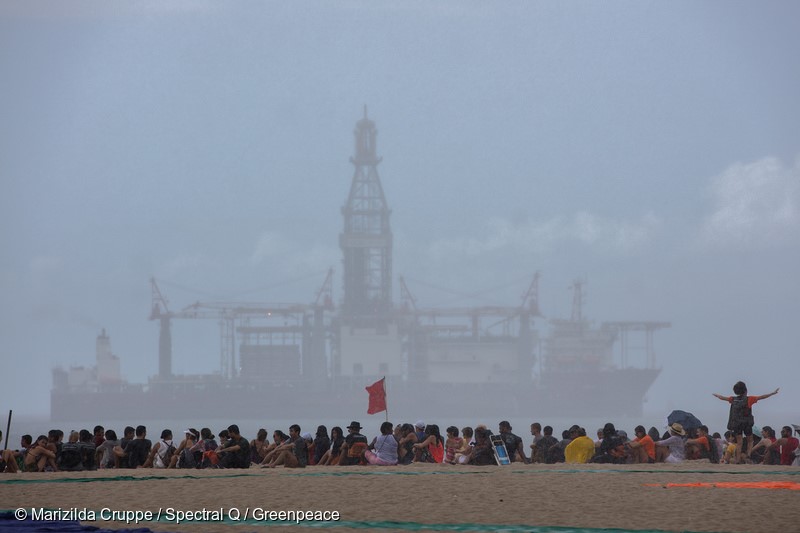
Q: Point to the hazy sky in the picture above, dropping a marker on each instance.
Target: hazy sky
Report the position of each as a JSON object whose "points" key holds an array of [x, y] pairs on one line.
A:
{"points": [[651, 148]]}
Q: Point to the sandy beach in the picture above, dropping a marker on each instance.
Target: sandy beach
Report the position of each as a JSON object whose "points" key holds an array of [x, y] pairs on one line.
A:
{"points": [[627, 497]]}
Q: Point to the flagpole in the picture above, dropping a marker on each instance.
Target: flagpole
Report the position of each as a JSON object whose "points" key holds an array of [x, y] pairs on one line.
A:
{"points": [[8, 428], [386, 398]]}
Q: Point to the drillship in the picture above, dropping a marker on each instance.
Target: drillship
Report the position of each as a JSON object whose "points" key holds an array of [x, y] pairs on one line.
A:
{"points": [[314, 360]]}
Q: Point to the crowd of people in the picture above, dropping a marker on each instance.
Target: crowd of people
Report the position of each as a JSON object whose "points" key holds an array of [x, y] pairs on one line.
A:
{"points": [[404, 444]]}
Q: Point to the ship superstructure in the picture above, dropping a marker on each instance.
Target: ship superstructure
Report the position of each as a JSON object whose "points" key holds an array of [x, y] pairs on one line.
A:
{"points": [[432, 358]]}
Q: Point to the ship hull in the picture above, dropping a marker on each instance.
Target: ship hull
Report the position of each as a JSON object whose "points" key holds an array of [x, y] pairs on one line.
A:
{"points": [[619, 392], [612, 393]]}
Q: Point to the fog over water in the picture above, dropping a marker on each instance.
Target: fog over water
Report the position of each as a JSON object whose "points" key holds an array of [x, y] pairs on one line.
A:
{"points": [[650, 149]]}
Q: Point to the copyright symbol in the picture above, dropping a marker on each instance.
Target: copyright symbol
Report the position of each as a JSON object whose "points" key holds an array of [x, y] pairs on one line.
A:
{"points": [[20, 514]]}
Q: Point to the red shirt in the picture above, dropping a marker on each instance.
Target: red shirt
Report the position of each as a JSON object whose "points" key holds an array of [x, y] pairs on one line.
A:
{"points": [[787, 451]]}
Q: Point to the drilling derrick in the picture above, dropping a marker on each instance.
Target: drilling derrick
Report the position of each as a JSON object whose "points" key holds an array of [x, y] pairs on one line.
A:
{"points": [[367, 238]]}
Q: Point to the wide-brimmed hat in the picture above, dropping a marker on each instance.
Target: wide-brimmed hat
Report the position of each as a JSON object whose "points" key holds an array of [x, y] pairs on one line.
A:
{"points": [[354, 425], [677, 429]]}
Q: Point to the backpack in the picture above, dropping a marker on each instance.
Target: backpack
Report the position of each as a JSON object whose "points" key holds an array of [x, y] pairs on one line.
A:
{"points": [[71, 457], [713, 450], [169, 453], [741, 413], [87, 451], [210, 459], [188, 459]]}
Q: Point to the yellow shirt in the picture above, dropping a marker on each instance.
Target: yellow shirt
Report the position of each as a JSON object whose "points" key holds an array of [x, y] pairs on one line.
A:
{"points": [[580, 450]]}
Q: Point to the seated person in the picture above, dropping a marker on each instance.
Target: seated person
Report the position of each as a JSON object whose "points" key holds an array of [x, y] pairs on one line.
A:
{"points": [[581, 449], [545, 445], [54, 437], [208, 448], [787, 445], [355, 444], [15, 459], [536, 433], [513, 443], [642, 449], [729, 455], [162, 451], [599, 440], [322, 443], [309, 438], [611, 449], [419, 430], [454, 444], [383, 449], [482, 452], [764, 452], [557, 451], [673, 448], [187, 454], [236, 452], [224, 437], [462, 454], [405, 446], [104, 455], [702, 446], [88, 449], [98, 435], [279, 438], [720, 443], [259, 446], [332, 455], [71, 458], [39, 455], [292, 453], [431, 449], [119, 458], [136, 452]]}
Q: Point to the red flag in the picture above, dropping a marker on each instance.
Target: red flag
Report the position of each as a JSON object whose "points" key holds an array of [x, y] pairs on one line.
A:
{"points": [[377, 397]]}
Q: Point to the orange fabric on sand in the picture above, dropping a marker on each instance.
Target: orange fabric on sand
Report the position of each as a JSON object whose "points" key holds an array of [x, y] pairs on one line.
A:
{"points": [[774, 485]]}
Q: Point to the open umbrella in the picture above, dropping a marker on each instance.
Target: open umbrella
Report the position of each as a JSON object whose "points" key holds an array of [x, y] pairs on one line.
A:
{"points": [[687, 420]]}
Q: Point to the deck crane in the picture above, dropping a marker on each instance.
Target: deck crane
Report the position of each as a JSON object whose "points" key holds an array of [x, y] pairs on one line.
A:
{"points": [[160, 311], [324, 298], [245, 322], [531, 296]]}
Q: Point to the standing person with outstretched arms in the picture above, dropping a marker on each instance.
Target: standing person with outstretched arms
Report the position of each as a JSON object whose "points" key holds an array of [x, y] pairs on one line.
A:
{"points": [[740, 419]]}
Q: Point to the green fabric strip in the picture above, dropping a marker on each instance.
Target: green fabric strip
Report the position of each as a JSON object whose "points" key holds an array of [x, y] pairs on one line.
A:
{"points": [[395, 473]]}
